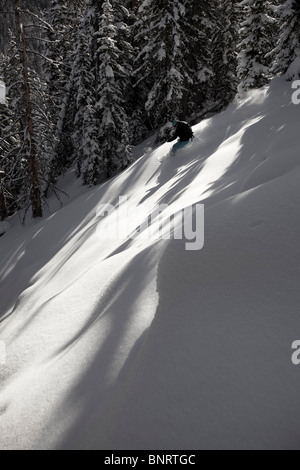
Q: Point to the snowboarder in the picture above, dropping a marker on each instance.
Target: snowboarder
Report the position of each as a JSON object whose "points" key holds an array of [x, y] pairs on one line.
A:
{"points": [[184, 133]]}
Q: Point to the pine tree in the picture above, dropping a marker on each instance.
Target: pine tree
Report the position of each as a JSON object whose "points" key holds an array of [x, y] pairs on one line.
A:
{"points": [[114, 74], [30, 148], [141, 85], [101, 123], [63, 17], [287, 52], [135, 96], [5, 146], [253, 62], [200, 25], [165, 67], [11, 124], [224, 49], [86, 123], [26, 130]]}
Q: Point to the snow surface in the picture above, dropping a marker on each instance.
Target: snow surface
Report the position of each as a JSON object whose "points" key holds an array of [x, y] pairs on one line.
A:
{"points": [[140, 344], [4, 226]]}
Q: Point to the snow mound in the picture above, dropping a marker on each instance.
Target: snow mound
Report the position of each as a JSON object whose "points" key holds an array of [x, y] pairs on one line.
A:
{"points": [[141, 344], [4, 226]]}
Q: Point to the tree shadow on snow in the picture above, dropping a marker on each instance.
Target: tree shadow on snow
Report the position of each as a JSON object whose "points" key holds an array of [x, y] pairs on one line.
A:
{"points": [[90, 394]]}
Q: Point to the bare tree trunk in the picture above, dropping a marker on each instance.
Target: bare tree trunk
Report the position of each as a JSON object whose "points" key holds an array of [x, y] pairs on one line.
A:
{"points": [[3, 208], [35, 195]]}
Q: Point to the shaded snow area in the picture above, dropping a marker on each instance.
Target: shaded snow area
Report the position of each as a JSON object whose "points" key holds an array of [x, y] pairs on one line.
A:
{"points": [[141, 344]]}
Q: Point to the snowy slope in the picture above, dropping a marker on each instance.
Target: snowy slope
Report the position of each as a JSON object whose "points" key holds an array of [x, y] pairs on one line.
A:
{"points": [[127, 344]]}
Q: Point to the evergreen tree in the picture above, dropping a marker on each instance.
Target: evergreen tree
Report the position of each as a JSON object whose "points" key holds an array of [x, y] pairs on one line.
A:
{"points": [[287, 52], [253, 62], [101, 123], [164, 64], [114, 75], [86, 123], [11, 162], [135, 96], [141, 84], [26, 130], [200, 25], [224, 50], [63, 19]]}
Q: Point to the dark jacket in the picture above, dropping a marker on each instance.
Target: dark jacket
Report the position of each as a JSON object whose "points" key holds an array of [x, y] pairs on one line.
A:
{"points": [[183, 132]]}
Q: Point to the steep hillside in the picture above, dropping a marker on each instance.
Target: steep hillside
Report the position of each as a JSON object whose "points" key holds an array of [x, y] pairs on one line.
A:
{"points": [[142, 344]]}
